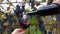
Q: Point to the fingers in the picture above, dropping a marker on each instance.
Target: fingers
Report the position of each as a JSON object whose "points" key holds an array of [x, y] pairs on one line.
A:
{"points": [[18, 31], [23, 32], [56, 1]]}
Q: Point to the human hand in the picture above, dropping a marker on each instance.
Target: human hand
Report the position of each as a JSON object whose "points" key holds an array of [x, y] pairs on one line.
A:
{"points": [[56, 1], [18, 31]]}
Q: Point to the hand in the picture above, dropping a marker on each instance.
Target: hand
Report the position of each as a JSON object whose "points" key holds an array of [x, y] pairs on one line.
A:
{"points": [[18, 31], [56, 1]]}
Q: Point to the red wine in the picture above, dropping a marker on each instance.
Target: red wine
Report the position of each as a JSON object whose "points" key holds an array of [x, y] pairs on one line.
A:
{"points": [[25, 24]]}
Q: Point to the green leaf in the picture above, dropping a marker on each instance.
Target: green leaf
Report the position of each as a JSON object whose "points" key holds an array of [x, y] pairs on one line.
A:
{"points": [[10, 4], [43, 0]]}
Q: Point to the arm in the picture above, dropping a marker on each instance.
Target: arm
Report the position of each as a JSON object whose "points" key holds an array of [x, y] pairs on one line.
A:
{"points": [[51, 9]]}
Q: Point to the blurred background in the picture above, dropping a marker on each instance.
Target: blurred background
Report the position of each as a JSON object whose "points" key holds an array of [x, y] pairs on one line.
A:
{"points": [[11, 16]]}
